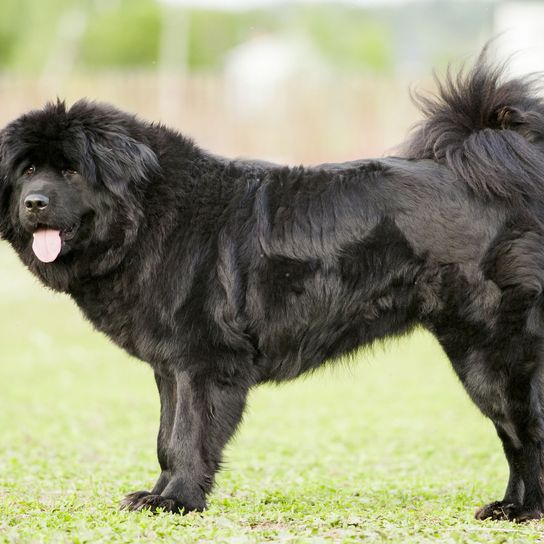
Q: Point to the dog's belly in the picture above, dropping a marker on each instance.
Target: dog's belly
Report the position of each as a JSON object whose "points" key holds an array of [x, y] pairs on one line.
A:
{"points": [[298, 349], [307, 312]]}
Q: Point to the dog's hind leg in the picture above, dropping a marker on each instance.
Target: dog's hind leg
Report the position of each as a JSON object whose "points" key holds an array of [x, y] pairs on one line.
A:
{"points": [[515, 490], [500, 362], [523, 444], [506, 390]]}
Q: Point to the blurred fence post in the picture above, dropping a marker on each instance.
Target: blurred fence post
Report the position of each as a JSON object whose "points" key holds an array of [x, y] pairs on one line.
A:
{"points": [[172, 60], [63, 54]]}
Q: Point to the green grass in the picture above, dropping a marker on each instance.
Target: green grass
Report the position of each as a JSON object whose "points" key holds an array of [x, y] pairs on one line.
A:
{"points": [[387, 448]]}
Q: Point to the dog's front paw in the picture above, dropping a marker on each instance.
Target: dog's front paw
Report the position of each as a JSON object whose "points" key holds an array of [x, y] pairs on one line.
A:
{"points": [[131, 499], [505, 511], [143, 500], [153, 503]]}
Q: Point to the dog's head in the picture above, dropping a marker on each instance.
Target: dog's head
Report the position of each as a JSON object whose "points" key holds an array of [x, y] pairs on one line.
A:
{"points": [[52, 202], [71, 180]]}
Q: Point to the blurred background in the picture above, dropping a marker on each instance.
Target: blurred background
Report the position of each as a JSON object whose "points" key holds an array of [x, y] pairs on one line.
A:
{"points": [[293, 81]]}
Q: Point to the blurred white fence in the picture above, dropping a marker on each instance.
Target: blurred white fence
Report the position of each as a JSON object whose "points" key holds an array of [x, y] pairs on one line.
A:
{"points": [[330, 119]]}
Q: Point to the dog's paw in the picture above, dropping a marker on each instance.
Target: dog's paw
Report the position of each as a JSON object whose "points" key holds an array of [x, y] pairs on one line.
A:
{"points": [[133, 498], [143, 500], [498, 510], [153, 503], [505, 511]]}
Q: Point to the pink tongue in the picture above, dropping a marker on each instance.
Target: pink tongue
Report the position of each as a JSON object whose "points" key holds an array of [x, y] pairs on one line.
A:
{"points": [[47, 244]]}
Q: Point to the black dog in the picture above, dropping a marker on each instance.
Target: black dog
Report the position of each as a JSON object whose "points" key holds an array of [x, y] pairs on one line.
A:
{"points": [[225, 274]]}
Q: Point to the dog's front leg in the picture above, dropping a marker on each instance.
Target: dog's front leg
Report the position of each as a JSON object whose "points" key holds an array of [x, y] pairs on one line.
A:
{"points": [[166, 384], [198, 416]]}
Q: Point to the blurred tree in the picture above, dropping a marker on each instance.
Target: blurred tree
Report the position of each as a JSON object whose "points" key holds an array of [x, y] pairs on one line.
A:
{"points": [[213, 33], [8, 31], [117, 34], [349, 38], [34, 24], [123, 33]]}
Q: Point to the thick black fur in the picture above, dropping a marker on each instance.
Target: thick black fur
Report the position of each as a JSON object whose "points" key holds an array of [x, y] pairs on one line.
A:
{"points": [[223, 274]]}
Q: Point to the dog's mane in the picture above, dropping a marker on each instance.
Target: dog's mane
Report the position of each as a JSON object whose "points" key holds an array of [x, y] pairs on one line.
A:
{"points": [[487, 128]]}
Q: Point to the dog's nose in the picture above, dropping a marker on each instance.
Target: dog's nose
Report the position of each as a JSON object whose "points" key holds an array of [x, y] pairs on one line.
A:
{"points": [[35, 203]]}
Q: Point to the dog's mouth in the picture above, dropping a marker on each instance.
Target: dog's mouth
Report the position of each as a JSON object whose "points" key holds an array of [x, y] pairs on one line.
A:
{"points": [[49, 241]]}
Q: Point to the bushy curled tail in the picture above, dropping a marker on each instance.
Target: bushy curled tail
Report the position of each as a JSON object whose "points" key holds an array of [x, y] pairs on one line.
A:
{"points": [[488, 129]]}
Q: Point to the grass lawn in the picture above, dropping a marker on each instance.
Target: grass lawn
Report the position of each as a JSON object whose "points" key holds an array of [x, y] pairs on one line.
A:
{"points": [[387, 448]]}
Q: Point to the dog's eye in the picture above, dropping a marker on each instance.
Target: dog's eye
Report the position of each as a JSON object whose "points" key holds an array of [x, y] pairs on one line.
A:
{"points": [[69, 172], [29, 170]]}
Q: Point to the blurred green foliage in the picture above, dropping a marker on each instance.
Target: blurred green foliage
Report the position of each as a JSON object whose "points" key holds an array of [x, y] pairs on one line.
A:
{"points": [[211, 34], [349, 38], [126, 34]]}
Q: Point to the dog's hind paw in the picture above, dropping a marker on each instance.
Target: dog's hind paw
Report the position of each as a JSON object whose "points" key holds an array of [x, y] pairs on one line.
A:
{"points": [[143, 500], [506, 511], [498, 510]]}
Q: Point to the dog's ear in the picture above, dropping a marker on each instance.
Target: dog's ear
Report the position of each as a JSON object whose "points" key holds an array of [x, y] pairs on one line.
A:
{"points": [[117, 160], [5, 194], [107, 147]]}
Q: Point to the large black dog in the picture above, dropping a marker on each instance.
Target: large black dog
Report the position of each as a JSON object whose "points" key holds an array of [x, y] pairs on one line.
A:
{"points": [[224, 274]]}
